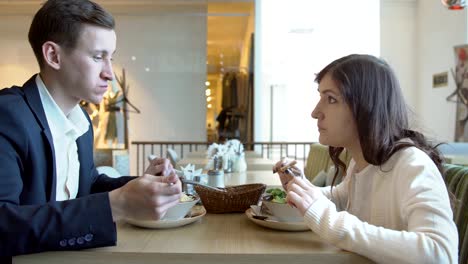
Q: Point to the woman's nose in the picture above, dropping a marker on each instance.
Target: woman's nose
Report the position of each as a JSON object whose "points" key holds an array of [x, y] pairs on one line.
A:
{"points": [[316, 113]]}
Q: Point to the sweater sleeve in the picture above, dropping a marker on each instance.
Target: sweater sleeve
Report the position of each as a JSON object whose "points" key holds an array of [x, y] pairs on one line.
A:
{"points": [[339, 194], [430, 235]]}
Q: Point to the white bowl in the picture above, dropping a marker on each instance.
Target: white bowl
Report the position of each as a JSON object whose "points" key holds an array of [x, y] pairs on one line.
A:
{"points": [[180, 210], [283, 211]]}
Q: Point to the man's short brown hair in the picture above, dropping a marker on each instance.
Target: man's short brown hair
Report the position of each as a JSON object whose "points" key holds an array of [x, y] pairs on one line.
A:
{"points": [[61, 21]]}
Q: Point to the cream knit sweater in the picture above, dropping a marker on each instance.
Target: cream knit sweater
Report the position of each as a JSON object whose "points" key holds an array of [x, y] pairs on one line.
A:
{"points": [[397, 213]]}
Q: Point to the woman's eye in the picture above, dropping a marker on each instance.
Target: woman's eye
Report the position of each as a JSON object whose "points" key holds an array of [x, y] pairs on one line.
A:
{"points": [[331, 100]]}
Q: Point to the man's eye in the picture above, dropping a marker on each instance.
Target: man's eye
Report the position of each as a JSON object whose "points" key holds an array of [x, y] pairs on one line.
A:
{"points": [[97, 58]]}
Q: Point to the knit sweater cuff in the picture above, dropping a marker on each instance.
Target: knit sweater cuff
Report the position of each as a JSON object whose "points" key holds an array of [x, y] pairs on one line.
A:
{"points": [[323, 219], [315, 211]]}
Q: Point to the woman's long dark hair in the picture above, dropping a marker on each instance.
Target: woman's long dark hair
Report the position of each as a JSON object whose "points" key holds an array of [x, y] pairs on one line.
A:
{"points": [[372, 91]]}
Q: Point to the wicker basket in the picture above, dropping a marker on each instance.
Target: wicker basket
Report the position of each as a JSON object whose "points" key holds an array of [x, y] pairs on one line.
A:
{"points": [[231, 199]]}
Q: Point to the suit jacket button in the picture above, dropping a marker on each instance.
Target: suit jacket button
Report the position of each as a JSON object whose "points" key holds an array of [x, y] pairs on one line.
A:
{"points": [[88, 237], [71, 241], [80, 240], [63, 243]]}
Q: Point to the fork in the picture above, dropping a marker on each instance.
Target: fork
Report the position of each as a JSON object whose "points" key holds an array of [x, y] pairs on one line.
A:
{"points": [[185, 181], [289, 171]]}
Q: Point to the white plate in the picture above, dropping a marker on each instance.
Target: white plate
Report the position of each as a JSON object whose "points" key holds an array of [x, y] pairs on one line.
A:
{"points": [[285, 226], [198, 211]]}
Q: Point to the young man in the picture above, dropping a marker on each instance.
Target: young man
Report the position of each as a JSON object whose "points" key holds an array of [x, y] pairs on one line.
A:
{"points": [[51, 196]]}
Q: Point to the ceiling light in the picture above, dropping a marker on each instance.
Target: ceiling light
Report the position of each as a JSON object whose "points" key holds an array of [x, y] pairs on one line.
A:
{"points": [[207, 83], [208, 92], [209, 106]]}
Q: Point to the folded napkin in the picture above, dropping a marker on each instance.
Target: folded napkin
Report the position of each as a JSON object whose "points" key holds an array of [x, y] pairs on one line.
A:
{"points": [[189, 172], [257, 211]]}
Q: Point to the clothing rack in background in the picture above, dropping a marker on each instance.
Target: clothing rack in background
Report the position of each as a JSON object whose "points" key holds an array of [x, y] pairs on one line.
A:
{"points": [[236, 106]]}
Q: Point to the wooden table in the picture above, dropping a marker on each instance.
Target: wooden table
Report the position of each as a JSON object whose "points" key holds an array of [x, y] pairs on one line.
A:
{"points": [[215, 238], [238, 178]]}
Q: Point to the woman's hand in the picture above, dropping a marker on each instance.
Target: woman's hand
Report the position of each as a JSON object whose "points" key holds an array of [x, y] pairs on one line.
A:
{"points": [[302, 194], [288, 175]]}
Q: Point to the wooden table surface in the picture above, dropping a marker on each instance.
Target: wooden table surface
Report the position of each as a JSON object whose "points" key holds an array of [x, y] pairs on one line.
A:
{"points": [[215, 238]]}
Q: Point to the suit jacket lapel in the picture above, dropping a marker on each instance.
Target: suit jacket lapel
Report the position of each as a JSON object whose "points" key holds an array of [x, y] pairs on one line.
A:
{"points": [[34, 101], [85, 147]]}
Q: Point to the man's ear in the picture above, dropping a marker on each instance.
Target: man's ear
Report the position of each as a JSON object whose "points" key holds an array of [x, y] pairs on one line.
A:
{"points": [[51, 54]]}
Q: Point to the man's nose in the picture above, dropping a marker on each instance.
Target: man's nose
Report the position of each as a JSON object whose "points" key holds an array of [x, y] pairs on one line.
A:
{"points": [[107, 71]]}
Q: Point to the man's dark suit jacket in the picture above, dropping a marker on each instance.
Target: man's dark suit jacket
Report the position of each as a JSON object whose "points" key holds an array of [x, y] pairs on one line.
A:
{"points": [[31, 220]]}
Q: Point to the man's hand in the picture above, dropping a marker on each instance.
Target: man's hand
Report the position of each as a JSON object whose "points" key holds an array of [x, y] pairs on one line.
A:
{"points": [[159, 167], [147, 198]]}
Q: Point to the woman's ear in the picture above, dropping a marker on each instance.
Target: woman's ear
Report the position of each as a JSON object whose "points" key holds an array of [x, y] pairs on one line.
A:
{"points": [[51, 54]]}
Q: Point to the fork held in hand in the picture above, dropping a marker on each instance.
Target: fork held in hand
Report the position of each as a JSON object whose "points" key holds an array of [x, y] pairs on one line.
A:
{"points": [[288, 166], [185, 181], [290, 171], [285, 167]]}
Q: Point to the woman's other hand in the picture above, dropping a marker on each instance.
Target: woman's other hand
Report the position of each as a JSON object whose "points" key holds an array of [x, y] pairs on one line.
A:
{"points": [[302, 194]]}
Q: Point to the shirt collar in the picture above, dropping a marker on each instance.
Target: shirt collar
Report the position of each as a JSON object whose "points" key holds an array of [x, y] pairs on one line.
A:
{"points": [[75, 123]]}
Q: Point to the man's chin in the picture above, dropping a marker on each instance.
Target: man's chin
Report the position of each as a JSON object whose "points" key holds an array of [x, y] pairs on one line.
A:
{"points": [[96, 100]]}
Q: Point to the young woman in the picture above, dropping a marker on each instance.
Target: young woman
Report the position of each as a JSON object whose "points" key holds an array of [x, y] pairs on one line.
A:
{"points": [[392, 206]]}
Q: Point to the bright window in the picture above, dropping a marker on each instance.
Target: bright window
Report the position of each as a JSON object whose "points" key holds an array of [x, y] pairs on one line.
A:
{"points": [[294, 40]]}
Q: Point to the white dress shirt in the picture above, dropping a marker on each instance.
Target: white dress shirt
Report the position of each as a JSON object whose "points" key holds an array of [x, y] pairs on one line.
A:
{"points": [[65, 131]]}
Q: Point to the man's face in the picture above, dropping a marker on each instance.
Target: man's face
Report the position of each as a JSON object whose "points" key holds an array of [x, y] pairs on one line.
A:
{"points": [[86, 70]]}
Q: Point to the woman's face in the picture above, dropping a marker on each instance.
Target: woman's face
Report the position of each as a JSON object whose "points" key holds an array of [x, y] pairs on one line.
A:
{"points": [[335, 120]]}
